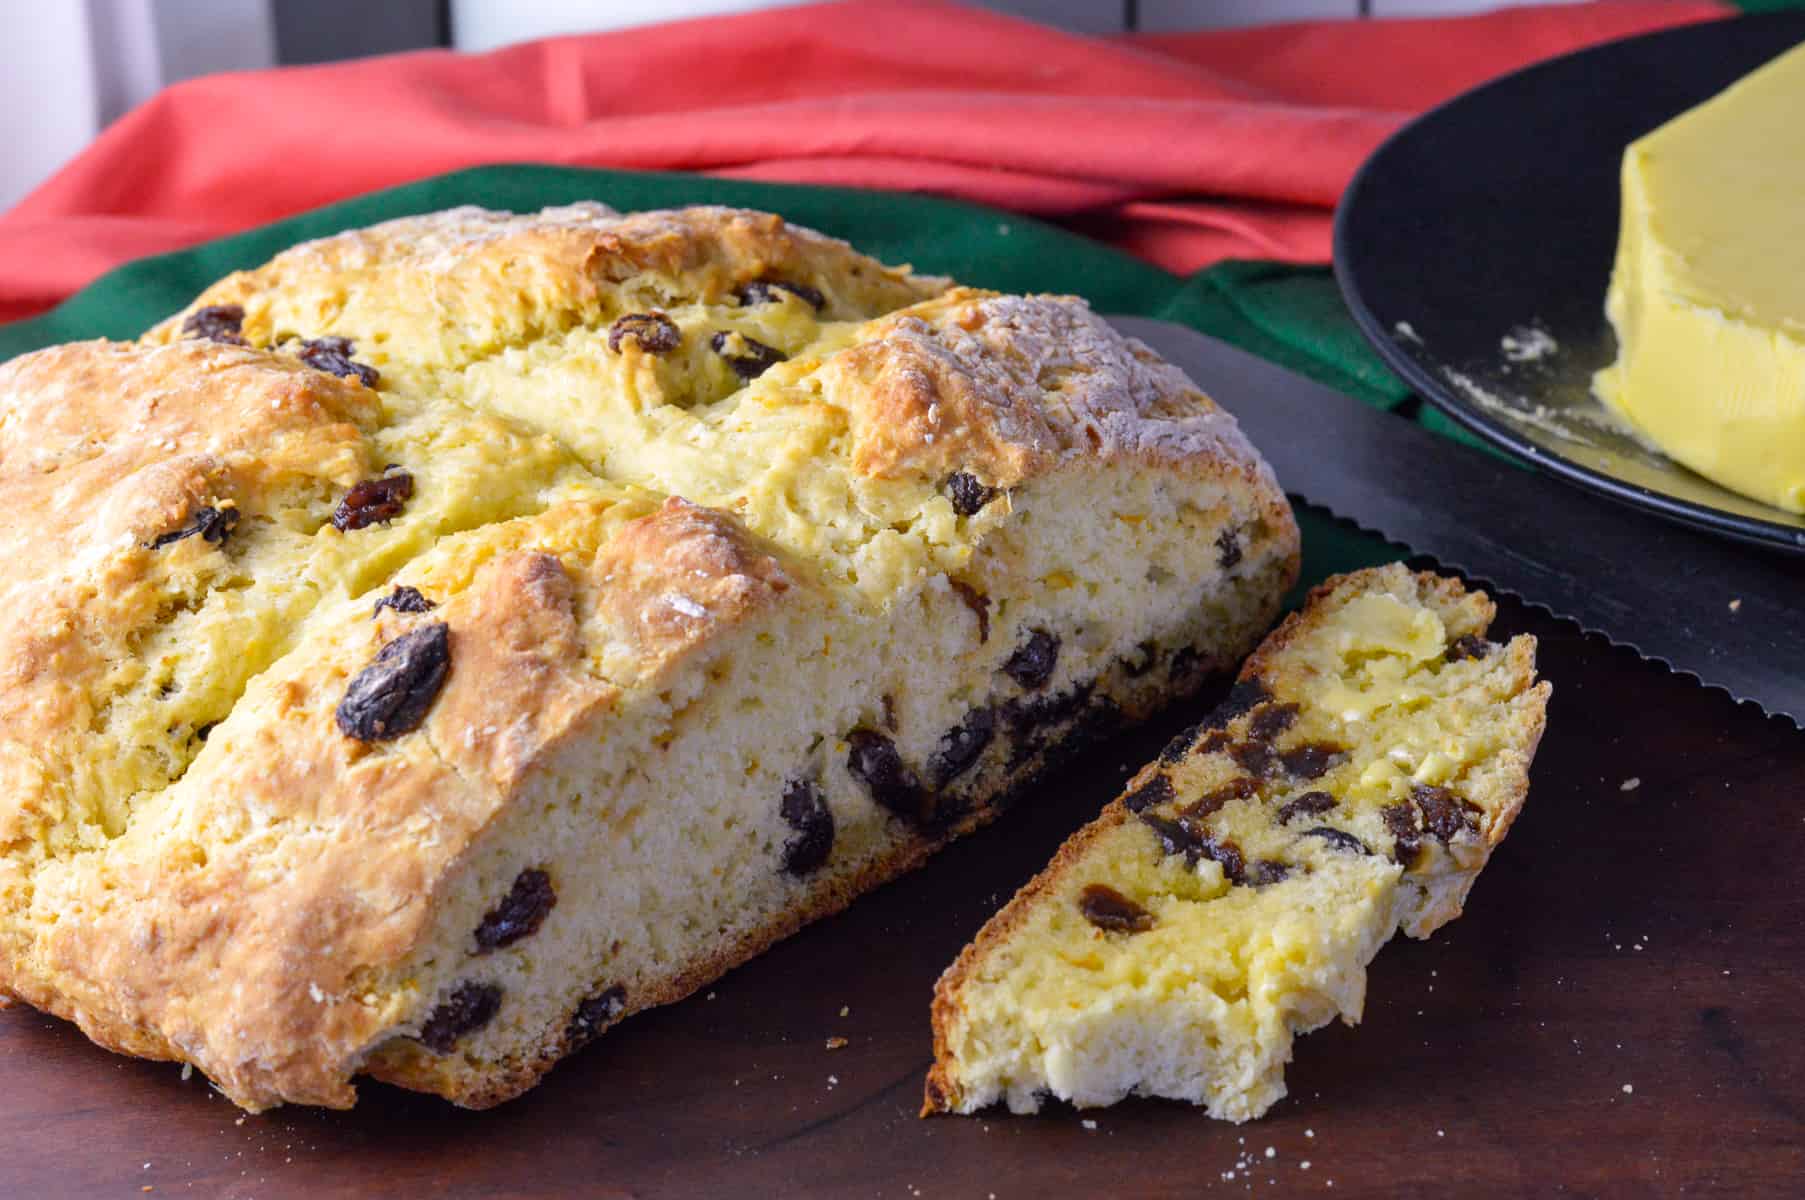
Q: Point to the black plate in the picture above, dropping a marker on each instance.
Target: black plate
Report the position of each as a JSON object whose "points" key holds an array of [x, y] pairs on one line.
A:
{"points": [[1494, 217]]}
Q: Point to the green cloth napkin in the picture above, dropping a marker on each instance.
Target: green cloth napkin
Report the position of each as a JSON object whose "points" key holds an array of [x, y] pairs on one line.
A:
{"points": [[1291, 315]]}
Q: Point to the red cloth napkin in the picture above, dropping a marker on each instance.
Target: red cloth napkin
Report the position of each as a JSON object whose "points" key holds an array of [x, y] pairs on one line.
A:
{"points": [[1182, 148]]}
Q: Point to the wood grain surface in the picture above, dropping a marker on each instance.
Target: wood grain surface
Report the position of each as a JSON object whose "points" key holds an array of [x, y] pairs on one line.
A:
{"points": [[1617, 1014]]}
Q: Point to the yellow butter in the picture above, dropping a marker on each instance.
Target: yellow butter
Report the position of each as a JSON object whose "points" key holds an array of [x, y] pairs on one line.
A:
{"points": [[1708, 292]]}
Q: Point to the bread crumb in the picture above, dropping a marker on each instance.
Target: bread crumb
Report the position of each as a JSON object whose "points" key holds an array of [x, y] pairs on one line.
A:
{"points": [[845, 1011], [1629, 1089], [187, 1072], [1271, 1153], [1304, 1166], [1090, 1125], [836, 1043], [1630, 784], [1736, 604]]}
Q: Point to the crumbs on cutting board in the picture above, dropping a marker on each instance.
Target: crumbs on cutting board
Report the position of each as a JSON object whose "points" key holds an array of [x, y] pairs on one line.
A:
{"points": [[1527, 344], [1269, 1164]]}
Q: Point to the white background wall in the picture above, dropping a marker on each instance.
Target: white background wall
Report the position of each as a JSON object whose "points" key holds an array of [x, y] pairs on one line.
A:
{"points": [[74, 66], [486, 24]]}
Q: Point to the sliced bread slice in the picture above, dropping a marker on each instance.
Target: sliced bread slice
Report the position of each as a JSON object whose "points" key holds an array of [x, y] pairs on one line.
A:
{"points": [[1374, 751]]}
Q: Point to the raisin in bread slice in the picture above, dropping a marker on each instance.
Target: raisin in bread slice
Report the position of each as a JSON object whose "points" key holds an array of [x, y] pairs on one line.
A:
{"points": [[453, 637], [1373, 753]]}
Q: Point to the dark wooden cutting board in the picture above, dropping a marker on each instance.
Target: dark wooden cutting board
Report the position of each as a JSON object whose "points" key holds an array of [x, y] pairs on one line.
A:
{"points": [[1616, 1014]]}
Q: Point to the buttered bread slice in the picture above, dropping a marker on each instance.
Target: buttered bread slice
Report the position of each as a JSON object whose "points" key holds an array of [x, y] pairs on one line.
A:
{"points": [[1373, 753], [453, 637]]}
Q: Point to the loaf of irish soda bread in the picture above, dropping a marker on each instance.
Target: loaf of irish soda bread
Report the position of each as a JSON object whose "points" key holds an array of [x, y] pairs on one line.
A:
{"points": [[1373, 753], [440, 643]]}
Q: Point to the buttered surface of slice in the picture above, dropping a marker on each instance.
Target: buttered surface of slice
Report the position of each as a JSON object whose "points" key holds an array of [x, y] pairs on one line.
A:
{"points": [[1708, 293]]}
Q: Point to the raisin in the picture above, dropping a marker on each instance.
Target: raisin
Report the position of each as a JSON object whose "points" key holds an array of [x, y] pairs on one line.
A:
{"points": [[1228, 549], [403, 600], [979, 604], [1214, 740], [961, 745], [1468, 646], [1033, 662], [1175, 836], [1184, 836], [1311, 760], [391, 696], [1445, 814], [333, 356], [889, 703], [217, 323], [1212, 801], [1400, 820], [594, 1014], [874, 761], [201, 731], [1267, 871], [1240, 699], [1340, 839], [1111, 911], [466, 1010], [1157, 790], [770, 291], [967, 494], [520, 912], [1226, 855], [804, 809], [749, 363], [373, 500], [652, 332], [1270, 720], [1256, 758], [214, 525], [1179, 746], [1035, 720], [1310, 804]]}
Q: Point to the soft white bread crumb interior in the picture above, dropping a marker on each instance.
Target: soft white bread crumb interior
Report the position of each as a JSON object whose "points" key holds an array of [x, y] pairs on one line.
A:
{"points": [[661, 828]]}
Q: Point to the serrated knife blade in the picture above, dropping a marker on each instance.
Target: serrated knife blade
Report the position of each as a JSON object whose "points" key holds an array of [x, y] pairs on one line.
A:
{"points": [[1715, 609]]}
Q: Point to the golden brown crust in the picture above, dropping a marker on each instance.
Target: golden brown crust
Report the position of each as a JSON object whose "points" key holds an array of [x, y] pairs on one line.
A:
{"points": [[414, 279], [313, 860], [1006, 387], [104, 449], [670, 581]]}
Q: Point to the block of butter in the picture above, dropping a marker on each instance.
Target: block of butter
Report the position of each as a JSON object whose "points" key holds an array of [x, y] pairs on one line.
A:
{"points": [[1708, 292]]}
